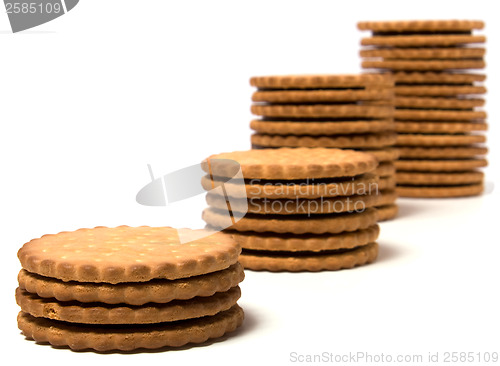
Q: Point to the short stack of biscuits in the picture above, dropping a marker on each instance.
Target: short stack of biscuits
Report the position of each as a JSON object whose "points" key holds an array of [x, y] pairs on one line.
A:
{"points": [[333, 111], [438, 116], [127, 288], [301, 209]]}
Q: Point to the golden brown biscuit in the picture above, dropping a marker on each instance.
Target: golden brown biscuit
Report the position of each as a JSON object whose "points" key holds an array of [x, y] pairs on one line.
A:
{"points": [[322, 95], [387, 212], [439, 127], [439, 179], [296, 224], [438, 140], [424, 65], [132, 293], [440, 192], [448, 165], [320, 81], [438, 102], [323, 111], [414, 26], [291, 164], [421, 40], [294, 206], [151, 336], [126, 254], [432, 77], [151, 313], [305, 242], [438, 90], [454, 152], [321, 128], [314, 262], [309, 188], [373, 140], [424, 53]]}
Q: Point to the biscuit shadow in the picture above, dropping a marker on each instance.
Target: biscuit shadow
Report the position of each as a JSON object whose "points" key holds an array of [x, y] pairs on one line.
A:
{"points": [[407, 208], [388, 252], [249, 323]]}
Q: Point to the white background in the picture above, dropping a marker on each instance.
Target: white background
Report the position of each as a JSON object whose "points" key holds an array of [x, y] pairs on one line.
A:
{"points": [[86, 101]]}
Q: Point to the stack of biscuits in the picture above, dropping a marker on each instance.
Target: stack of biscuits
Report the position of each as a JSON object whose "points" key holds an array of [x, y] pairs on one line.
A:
{"points": [[334, 111], [301, 209], [438, 112], [126, 288]]}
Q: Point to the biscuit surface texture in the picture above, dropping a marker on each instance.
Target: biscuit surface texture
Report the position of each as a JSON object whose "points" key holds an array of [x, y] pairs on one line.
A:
{"points": [[290, 163], [126, 254]]}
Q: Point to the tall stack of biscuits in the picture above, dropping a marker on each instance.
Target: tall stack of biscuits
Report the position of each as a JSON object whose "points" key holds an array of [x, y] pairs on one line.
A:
{"points": [[301, 209], [437, 98], [334, 111], [126, 288]]}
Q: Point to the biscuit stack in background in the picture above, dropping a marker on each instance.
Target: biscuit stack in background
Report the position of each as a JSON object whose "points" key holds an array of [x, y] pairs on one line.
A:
{"points": [[437, 98], [309, 209], [334, 111], [126, 288]]}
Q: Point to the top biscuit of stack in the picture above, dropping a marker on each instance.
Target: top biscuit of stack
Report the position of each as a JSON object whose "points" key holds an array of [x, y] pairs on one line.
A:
{"points": [[436, 101]]}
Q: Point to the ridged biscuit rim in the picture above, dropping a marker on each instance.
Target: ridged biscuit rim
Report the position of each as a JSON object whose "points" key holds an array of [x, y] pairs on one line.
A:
{"points": [[322, 111], [151, 336], [386, 197], [388, 182], [132, 293], [385, 169], [441, 178], [291, 163], [438, 102], [447, 165], [439, 127], [383, 154], [322, 95], [423, 65], [374, 140], [293, 206], [438, 115], [438, 140], [422, 40], [421, 25], [308, 242], [96, 313], [440, 192], [438, 90], [387, 212], [315, 224], [313, 263], [431, 77], [424, 53], [92, 255], [319, 81], [321, 128], [423, 152]]}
